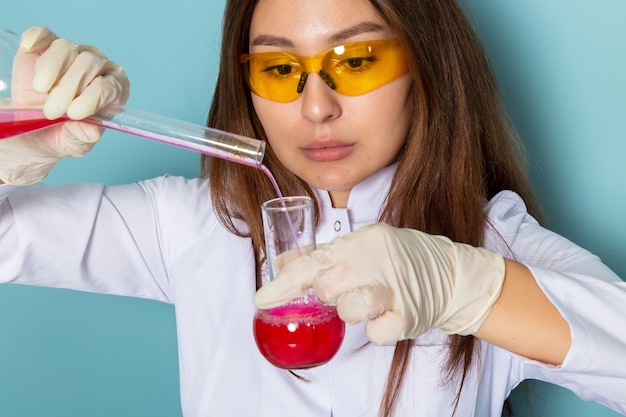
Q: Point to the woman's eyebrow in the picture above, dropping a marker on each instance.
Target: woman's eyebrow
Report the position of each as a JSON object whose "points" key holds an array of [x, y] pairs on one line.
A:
{"points": [[342, 35], [357, 29], [271, 40]]}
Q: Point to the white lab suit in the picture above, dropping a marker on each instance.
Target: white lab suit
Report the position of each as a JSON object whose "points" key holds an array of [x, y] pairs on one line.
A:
{"points": [[161, 240]]}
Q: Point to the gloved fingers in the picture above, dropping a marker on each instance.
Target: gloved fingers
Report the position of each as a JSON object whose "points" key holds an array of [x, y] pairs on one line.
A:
{"points": [[344, 267], [386, 329], [37, 39], [346, 277], [78, 79], [111, 86], [289, 256], [78, 138], [364, 303], [64, 70], [332, 282], [52, 63], [293, 281], [285, 258]]}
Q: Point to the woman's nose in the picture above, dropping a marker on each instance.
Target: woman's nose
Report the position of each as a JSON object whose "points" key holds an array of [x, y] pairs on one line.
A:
{"points": [[319, 101]]}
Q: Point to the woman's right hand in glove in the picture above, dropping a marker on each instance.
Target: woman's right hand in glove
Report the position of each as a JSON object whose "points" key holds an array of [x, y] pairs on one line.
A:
{"points": [[62, 78]]}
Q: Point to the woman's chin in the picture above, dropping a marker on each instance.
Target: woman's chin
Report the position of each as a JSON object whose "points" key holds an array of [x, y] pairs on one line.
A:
{"points": [[331, 185]]}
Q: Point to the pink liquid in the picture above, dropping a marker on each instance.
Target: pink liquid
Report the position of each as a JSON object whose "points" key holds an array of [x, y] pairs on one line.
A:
{"points": [[297, 335], [11, 127]]}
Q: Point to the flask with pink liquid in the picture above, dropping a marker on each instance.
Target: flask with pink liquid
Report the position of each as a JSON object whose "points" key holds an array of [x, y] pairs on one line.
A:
{"points": [[304, 332]]}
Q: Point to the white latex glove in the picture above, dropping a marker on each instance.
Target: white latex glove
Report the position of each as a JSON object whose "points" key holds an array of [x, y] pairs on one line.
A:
{"points": [[403, 281], [64, 78]]}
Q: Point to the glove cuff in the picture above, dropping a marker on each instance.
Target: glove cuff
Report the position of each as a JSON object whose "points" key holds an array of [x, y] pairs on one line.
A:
{"points": [[479, 275]]}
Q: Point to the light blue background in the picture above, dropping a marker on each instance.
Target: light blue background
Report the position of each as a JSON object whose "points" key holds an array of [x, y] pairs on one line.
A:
{"points": [[561, 65]]}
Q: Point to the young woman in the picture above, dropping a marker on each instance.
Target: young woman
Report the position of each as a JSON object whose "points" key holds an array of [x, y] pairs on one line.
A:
{"points": [[386, 113]]}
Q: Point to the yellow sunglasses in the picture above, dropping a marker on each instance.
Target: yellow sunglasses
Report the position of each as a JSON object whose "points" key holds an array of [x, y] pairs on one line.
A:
{"points": [[351, 69]]}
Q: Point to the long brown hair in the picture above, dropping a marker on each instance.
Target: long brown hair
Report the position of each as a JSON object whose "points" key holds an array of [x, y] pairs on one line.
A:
{"points": [[460, 150]]}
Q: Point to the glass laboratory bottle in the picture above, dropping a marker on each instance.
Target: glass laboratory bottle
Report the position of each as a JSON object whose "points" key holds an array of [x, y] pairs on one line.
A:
{"points": [[304, 332]]}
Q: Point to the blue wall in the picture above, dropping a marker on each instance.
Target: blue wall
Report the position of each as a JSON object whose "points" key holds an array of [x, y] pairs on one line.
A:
{"points": [[561, 66]]}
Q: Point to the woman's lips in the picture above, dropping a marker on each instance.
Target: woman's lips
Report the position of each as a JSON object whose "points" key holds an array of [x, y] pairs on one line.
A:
{"points": [[327, 151]]}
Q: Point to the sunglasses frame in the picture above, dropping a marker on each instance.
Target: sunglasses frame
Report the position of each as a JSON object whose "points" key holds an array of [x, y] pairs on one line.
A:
{"points": [[330, 65]]}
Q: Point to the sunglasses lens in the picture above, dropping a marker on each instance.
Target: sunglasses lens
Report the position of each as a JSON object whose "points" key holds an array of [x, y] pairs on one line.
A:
{"points": [[273, 75], [351, 69], [361, 67]]}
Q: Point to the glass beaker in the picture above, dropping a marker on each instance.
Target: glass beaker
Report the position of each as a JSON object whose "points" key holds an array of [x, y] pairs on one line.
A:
{"points": [[304, 332]]}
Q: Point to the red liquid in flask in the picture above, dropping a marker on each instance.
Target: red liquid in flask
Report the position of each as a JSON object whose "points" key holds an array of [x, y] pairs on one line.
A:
{"points": [[298, 335]]}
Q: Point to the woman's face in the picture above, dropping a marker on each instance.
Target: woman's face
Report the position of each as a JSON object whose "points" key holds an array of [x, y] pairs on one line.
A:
{"points": [[331, 141]]}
